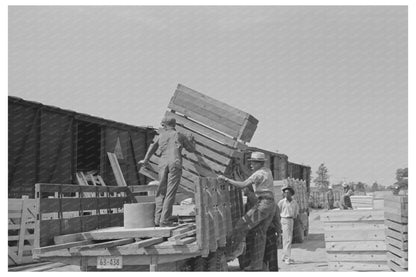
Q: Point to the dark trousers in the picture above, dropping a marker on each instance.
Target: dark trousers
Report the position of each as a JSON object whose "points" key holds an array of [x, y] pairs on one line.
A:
{"points": [[169, 179], [257, 219]]}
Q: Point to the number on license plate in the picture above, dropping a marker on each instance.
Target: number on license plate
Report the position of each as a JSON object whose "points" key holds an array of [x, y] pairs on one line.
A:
{"points": [[109, 262]]}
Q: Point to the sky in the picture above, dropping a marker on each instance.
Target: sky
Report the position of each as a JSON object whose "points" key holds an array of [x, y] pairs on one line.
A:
{"points": [[327, 84]]}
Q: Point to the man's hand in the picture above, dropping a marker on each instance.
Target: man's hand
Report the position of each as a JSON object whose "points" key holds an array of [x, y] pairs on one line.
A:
{"points": [[222, 178], [144, 163]]}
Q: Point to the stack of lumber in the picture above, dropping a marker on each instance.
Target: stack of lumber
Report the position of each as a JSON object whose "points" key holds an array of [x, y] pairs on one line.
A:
{"points": [[219, 130], [21, 221], [317, 198], [362, 201], [396, 214], [355, 240]]}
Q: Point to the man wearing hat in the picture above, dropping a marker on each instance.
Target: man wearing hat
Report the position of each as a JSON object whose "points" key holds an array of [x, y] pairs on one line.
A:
{"points": [[170, 144], [330, 198], [289, 210], [259, 216]]}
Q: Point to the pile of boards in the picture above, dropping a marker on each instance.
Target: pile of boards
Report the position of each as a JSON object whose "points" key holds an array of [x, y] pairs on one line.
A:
{"points": [[355, 240], [397, 237]]}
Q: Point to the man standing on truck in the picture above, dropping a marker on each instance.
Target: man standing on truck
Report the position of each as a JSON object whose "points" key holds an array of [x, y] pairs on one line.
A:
{"points": [[259, 216], [289, 210], [170, 144]]}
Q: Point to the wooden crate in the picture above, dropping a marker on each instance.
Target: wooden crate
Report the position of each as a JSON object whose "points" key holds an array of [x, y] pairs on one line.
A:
{"points": [[217, 145], [362, 201], [396, 220], [211, 112], [21, 221], [355, 240]]}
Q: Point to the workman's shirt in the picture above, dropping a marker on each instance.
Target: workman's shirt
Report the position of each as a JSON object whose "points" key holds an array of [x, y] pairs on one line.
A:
{"points": [[170, 144], [288, 209], [262, 182]]}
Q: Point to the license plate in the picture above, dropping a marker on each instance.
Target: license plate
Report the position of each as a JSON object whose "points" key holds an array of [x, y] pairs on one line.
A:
{"points": [[109, 262]]}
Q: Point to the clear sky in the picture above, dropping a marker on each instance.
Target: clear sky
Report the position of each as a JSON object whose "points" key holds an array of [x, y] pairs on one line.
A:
{"points": [[327, 84]]}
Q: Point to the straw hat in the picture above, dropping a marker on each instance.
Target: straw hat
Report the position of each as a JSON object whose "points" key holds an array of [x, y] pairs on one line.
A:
{"points": [[257, 157]]}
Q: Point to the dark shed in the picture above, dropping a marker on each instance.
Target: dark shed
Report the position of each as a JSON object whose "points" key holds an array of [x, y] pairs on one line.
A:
{"points": [[49, 145]]}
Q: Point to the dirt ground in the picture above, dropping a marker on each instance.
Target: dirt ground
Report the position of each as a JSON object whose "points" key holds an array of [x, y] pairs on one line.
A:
{"points": [[309, 255]]}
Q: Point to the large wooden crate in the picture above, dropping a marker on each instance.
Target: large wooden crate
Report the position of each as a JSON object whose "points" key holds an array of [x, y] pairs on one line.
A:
{"points": [[21, 221], [396, 220], [355, 240], [362, 201]]}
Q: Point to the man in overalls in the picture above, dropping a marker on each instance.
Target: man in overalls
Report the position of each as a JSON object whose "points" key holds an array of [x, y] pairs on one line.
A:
{"points": [[170, 144]]}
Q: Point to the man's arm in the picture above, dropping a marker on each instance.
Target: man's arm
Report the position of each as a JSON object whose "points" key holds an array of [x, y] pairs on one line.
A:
{"points": [[238, 184], [188, 143], [152, 149]]}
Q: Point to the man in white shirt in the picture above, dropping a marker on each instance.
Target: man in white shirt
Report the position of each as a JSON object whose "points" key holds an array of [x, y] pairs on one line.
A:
{"points": [[289, 210], [259, 216]]}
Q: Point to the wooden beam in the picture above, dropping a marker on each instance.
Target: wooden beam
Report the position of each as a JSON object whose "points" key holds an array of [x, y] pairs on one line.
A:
{"points": [[116, 233], [106, 244], [183, 235], [185, 241], [118, 174], [68, 245], [147, 242]]}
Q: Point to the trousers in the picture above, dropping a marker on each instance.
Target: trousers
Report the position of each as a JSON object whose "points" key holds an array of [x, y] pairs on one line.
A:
{"points": [[287, 234], [169, 179], [257, 219]]}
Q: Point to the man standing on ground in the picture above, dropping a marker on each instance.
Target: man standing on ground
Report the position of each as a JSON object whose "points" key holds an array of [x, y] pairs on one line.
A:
{"points": [[330, 198], [289, 210], [259, 216], [170, 144]]}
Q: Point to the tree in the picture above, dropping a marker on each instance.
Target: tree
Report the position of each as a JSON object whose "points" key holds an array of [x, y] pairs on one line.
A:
{"points": [[375, 186], [322, 180], [401, 177]]}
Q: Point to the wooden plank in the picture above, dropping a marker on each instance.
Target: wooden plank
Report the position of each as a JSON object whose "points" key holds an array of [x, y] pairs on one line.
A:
{"points": [[395, 267], [354, 246], [185, 241], [358, 266], [200, 220], [116, 233], [107, 244], [379, 256], [183, 235], [398, 252], [210, 143], [396, 218], [354, 235], [183, 229], [402, 228], [37, 251], [147, 242], [206, 131], [352, 215], [395, 205], [362, 225], [143, 188], [396, 235], [397, 198], [118, 174], [22, 234], [202, 161], [402, 262], [403, 245]]}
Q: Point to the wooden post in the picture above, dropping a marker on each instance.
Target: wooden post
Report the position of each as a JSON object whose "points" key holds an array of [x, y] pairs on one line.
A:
{"points": [[153, 263]]}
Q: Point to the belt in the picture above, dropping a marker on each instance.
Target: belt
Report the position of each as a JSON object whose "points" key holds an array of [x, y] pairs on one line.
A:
{"points": [[266, 198], [289, 217]]}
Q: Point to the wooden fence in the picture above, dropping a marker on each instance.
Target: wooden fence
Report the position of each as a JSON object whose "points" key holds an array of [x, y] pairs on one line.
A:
{"points": [[21, 221], [355, 240], [396, 214]]}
